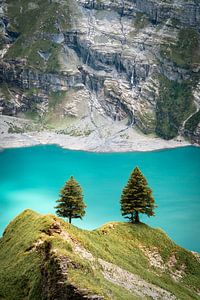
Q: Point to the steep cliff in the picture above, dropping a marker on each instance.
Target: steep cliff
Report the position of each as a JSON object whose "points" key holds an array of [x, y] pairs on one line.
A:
{"points": [[43, 258], [79, 66]]}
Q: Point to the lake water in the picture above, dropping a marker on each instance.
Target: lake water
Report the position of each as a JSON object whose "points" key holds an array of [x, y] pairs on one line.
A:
{"points": [[32, 177]]}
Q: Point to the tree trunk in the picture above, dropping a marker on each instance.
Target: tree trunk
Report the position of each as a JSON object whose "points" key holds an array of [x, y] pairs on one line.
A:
{"points": [[70, 220], [132, 217], [137, 219]]}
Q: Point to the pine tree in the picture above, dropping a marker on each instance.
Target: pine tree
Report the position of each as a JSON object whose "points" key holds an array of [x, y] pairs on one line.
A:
{"points": [[137, 197], [71, 204]]}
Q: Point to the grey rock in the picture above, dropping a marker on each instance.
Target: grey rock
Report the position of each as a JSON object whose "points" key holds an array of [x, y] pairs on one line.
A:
{"points": [[106, 60]]}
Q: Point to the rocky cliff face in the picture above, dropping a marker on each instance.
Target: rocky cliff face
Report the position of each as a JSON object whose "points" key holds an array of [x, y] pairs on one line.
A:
{"points": [[84, 66]]}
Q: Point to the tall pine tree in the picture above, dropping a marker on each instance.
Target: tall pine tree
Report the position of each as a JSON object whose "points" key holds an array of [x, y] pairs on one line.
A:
{"points": [[137, 197], [71, 204]]}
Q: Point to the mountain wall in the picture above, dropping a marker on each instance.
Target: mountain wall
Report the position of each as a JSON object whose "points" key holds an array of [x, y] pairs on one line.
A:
{"points": [[78, 67]]}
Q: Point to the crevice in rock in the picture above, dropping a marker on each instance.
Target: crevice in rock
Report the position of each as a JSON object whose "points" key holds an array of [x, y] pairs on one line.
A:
{"points": [[54, 278]]}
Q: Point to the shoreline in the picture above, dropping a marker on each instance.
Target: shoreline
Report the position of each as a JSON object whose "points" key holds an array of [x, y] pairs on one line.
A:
{"points": [[91, 143]]}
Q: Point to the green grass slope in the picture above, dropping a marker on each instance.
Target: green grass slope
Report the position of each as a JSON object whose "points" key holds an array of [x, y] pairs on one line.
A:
{"points": [[43, 257]]}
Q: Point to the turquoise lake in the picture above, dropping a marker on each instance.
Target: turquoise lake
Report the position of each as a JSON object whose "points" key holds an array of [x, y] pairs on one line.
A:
{"points": [[32, 177]]}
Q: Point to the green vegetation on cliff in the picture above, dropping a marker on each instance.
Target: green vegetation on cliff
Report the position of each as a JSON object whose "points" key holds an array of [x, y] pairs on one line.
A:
{"points": [[141, 21], [37, 23], [175, 102], [193, 122], [42, 257], [30, 52], [186, 52], [174, 105]]}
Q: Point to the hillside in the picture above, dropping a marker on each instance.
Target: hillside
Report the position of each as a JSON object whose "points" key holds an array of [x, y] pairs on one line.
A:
{"points": [[43, 257], [101, 69]]}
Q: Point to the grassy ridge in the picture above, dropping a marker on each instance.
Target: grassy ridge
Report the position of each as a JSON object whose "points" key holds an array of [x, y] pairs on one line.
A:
{"points": [[117, 243]]}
